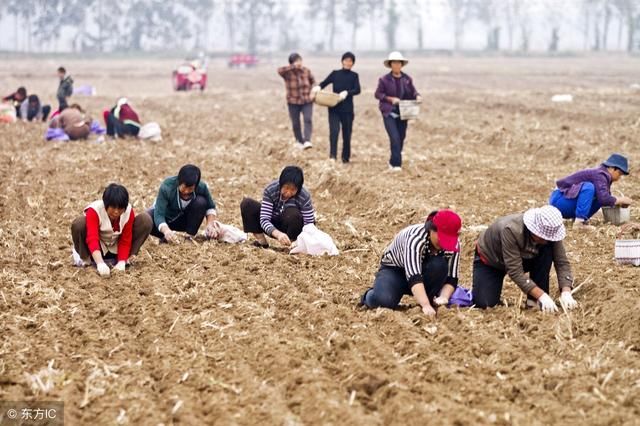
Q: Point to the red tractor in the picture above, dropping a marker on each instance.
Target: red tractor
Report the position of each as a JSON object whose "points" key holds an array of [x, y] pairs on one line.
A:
{"points": [[243, 61], [190, 75]]}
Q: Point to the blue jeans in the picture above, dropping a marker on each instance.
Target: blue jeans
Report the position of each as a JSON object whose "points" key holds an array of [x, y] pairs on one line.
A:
{"points": [[391, 283], [397, 131], [583, 206]]}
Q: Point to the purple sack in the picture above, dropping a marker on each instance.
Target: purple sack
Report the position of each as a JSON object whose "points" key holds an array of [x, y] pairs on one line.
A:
{"points": [[461, 297], [96, 128], [56, 134]]}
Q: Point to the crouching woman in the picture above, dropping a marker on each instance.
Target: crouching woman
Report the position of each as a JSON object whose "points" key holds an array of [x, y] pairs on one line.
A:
{"points": [[110, 231], [422, 260], [286, 207]]}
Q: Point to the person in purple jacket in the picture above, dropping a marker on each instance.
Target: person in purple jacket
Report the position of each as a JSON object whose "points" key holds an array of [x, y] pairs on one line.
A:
{"points": [[580, 195], [392, 88]]}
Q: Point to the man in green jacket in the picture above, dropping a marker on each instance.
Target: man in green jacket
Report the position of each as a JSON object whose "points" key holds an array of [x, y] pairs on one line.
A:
{"points": [[183, 202], [65, 89]]}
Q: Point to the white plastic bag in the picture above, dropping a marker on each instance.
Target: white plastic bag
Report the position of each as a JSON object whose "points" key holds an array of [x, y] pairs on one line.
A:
{"points": [[232, 235], [314, 242], [150, 131]]}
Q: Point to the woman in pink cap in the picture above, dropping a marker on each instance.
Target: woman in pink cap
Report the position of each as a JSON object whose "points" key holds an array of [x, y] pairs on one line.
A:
{"points": [[523, 246], [422, 260]]}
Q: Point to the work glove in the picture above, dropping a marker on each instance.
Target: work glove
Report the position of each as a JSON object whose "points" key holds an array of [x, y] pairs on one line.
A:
{"points": [[120, 266], [441, 301], [169, 235], [343, 95], [103, 269], [546, 303], [213, 230], [567, 300]]}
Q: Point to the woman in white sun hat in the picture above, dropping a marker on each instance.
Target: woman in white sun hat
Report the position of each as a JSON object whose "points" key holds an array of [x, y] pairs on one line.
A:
{"points": [[392, 88], [518, 244]]}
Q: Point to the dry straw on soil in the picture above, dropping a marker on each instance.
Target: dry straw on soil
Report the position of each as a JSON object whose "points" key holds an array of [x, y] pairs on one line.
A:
{"points": [[210, 333]]}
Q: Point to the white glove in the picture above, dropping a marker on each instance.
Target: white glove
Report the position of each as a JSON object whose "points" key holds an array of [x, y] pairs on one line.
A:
{"points": [[169, 235], [315, 89], [103, 269], [567, 300], [441, 301], [120, 266], [213, 230], [343, 95], [547, 304]]}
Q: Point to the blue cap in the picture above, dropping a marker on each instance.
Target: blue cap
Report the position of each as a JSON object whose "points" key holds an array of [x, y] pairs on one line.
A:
{"points": [[618, 161]]}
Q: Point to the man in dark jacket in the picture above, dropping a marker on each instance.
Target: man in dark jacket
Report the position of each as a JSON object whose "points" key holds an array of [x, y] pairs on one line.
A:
{"points": [[183, 202], [65, 89], [523, 246]]}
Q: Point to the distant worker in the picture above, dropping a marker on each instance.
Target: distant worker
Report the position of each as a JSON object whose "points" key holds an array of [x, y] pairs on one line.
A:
{"points": [[580, 195], [347, 84], [393, 88], [298, 83]]}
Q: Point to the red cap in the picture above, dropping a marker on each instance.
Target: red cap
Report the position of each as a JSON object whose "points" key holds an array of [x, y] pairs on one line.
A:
{"points": [[448, 224]]}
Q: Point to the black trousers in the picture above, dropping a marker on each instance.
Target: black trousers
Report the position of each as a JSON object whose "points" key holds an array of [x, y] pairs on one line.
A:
{"points": [[290, 222], [189, 221], [116, 128], [336, 120], [487, 280], [391, 283]]}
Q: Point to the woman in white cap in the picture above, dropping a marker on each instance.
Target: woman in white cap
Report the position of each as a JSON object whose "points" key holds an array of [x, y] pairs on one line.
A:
{"points": [[392, 88], [518, 244]]}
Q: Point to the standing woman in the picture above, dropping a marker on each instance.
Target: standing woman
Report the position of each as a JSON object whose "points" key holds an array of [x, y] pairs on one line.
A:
{"points": [[392, 88], [346, 83]]}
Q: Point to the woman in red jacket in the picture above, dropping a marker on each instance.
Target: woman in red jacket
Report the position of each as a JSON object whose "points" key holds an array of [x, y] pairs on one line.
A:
{"points": [[110, 231], [122, 120]]}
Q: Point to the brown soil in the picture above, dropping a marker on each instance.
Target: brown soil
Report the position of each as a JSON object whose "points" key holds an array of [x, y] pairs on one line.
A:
{"points": [[212, 333]]}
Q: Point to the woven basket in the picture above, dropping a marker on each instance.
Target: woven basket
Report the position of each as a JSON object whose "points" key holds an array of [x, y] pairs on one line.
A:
{"points": [[616, 215], [328, 99], [409, 110], [628, 252]]}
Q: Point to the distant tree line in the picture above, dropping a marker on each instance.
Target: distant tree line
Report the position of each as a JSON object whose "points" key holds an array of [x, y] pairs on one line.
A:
{"points": [[266, 25]]}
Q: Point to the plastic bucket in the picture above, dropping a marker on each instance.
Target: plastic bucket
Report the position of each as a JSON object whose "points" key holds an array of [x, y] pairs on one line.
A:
{"points": [[616, 215], [409, 110]]}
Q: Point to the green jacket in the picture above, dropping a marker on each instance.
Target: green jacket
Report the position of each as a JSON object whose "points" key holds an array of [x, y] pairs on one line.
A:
{"points": [[167, 205]]}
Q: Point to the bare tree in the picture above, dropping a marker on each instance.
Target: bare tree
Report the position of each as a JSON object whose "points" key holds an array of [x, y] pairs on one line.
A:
{"points": [[461, 11], [373, 11], [487, 12], [256, 14], [391, 28], [417, 10], [522, 16], [628, 10], [327, 9], [353, 15], [201, 11]]}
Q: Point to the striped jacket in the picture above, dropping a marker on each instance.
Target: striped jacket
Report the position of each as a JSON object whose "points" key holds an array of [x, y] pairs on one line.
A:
{"points": [[273, 206], [410, 248]]}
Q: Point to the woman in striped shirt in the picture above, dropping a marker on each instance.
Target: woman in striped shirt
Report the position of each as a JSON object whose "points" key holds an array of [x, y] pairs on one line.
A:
{"points": [[286, 207], [422, 260]]}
